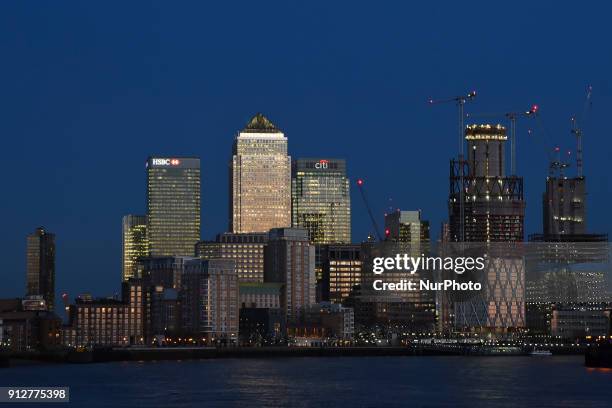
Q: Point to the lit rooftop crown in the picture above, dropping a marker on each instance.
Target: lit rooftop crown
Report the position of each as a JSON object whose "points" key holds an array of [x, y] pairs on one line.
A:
{"points": [[260, 124], [485, 132]]}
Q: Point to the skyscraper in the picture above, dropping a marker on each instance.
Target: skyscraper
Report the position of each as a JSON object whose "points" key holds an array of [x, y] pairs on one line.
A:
{"points": [[407, 226], [260, 180], [321, 201], [40, 266], [134, 244], [494, 211], [173, 205], [493, 202]]}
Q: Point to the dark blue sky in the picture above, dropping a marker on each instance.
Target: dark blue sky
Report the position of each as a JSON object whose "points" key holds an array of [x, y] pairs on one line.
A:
{"points": [[88, 91]]}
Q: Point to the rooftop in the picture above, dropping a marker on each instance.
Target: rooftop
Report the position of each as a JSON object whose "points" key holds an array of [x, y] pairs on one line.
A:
{"points": [[260, 124]]}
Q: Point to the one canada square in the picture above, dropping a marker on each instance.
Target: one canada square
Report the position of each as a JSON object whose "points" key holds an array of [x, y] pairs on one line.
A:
{"points": [[260, 179]]}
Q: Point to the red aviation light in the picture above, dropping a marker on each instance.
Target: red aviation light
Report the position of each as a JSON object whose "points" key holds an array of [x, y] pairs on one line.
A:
{"points": [[359, 182]]}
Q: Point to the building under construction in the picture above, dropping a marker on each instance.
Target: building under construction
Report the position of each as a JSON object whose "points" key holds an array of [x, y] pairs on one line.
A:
{"points": [[566, 265], [493, 203], [487, 207]]}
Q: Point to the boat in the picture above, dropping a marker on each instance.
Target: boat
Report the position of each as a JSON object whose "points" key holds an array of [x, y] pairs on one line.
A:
{"points": [[540, 353]]}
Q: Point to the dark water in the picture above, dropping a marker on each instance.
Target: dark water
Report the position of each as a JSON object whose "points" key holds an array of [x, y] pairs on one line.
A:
{"points": [[320, 382]]}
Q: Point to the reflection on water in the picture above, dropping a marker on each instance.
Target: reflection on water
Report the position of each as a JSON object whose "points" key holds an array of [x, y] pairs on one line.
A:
{"points": [[355, 382]]}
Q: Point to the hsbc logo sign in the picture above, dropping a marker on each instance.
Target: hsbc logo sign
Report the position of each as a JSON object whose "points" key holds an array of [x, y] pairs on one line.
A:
{"points": [[166, 162], [322, 164]]}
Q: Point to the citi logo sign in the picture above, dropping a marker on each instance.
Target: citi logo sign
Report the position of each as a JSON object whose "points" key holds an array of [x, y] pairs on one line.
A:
{"points": [[166, 162], [322, 164]]}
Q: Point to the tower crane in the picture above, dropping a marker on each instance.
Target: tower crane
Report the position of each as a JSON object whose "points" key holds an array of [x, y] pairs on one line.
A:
{"points": [[577, 127], [365, 201], [460, 101]]}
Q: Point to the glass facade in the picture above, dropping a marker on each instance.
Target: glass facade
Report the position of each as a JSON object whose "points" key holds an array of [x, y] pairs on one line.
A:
{"points": [[135, 243], [321, 201], [260, 180], [173, 206]]}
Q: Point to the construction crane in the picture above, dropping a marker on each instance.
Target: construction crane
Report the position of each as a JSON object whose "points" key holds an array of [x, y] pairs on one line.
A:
{"points": [[365, 201], [577, 127], [556, 165], [512, 117], [460, 101]]}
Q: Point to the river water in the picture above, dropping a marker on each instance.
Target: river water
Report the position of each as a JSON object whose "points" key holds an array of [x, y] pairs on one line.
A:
{"points": [[320, 382]]}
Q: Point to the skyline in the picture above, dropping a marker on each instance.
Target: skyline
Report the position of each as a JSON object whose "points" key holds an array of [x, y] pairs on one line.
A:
{"points": [[92, 143]]}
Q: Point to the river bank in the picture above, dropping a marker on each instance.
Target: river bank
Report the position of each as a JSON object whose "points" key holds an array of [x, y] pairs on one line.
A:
{"points": [[100, 355]]}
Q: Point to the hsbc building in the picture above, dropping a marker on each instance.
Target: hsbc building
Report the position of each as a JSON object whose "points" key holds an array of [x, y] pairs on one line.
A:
{"points": [[173, 205]]}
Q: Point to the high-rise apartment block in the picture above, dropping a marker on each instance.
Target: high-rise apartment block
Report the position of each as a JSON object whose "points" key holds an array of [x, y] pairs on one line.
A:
{"points": [[40, 266], [209, 299], [290, 260]]}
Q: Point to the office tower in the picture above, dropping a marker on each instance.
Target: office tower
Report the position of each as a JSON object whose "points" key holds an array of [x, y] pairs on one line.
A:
{"points": [[320, 200], [407, 226], [134, 243], [247, 250], [260, 180], [173, 205], [40, 266], [341, 270], [493, 214], [165, 271], [290, 260], [209, 301]]}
